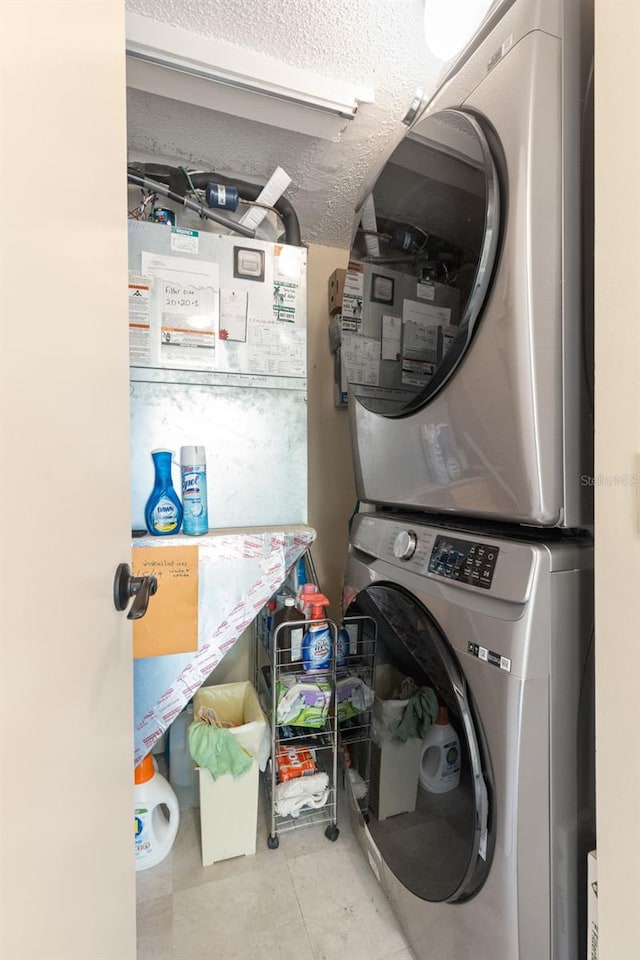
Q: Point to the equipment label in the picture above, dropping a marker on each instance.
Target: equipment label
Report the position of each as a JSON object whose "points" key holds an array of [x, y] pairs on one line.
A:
{"points": [[495, 659], [184, 241]]}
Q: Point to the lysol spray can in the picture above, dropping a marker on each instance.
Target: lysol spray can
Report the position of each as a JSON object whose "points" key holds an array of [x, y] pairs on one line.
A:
{"points": [[193, 466]]}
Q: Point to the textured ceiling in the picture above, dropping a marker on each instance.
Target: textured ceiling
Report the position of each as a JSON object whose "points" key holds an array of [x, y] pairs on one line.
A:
{"points": [[377, 43]]}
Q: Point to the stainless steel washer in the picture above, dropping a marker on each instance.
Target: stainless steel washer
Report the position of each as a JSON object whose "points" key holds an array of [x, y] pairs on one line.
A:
{"points": [[500, 628]]}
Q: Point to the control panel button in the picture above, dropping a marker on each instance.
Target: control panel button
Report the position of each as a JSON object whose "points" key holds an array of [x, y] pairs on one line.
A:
{"points": [[464, 561], [404, 545]]}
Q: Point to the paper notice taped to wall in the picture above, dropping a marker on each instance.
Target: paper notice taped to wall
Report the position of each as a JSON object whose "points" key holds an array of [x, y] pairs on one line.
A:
{"points": [[139, 320], [188, 315], [277, 350], [361, 357], [419, 312], [352, 295], [186, 310], [233, 314], [391, 337], [170, 624]]}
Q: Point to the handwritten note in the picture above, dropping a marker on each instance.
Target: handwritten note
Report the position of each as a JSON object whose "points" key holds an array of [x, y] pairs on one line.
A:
{"points": [[233, 314], [170, 624]]}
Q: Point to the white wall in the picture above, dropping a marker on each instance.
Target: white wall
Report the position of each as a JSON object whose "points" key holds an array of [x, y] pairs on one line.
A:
{"points": [[617, 446]]}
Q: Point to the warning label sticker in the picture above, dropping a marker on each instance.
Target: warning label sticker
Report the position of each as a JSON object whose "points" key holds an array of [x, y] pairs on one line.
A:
{"points": [[489, 656]]}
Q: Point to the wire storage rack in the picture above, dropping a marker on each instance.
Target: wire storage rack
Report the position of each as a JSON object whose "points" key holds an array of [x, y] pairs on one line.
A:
{"points": [[301, 777], [356, 714]]}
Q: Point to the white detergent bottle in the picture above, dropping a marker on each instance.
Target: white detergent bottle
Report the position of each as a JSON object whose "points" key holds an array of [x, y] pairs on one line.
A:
{"points": [[154, 832], [439, 769]]}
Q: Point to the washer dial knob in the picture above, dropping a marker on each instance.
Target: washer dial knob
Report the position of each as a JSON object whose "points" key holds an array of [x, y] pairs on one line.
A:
{"points": [[404, 545]]}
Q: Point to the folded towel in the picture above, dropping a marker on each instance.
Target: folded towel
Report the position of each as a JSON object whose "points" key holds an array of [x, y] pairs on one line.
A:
{"points": [[295, 795], [419, 714], [217, 750]]}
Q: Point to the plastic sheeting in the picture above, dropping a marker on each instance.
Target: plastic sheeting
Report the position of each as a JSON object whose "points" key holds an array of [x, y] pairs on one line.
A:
{"points": [[238, 570]]}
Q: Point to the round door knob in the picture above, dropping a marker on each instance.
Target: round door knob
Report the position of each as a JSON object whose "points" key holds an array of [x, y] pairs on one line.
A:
{"points": [[404, 546]]}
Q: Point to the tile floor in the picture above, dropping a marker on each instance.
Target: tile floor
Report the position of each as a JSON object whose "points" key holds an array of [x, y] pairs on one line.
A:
{"points": [[308, 900]]}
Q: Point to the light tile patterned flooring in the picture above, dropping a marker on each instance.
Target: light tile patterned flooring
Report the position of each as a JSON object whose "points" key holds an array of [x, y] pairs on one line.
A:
{"points": [[308, 900]]}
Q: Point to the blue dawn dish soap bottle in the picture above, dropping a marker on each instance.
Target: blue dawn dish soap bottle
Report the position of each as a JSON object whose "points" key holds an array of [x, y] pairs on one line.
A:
{"points": [[317, 641], [193, 466], [163, 512]]}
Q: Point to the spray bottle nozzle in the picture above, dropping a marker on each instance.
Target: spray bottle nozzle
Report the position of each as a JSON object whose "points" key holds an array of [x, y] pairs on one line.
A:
{"points": [[316, 601]]}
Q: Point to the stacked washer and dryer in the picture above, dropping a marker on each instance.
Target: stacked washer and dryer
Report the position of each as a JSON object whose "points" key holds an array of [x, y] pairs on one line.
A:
{"points": [[470, 560]]}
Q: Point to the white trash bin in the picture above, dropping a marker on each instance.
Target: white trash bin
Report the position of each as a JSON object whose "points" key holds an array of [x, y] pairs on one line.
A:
{"points": [[229, 805], [394, 766]]}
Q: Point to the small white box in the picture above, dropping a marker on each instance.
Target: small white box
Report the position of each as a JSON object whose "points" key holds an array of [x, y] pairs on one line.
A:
{"points": [[592, 905], [394, 778]]}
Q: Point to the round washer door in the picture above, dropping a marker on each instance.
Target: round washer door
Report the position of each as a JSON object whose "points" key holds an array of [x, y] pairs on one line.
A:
{"points": [[441, 850], [412, 304]]}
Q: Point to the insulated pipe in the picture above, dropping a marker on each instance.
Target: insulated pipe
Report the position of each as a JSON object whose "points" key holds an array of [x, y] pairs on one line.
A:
{"points": [[248, 191], [202, 211]]}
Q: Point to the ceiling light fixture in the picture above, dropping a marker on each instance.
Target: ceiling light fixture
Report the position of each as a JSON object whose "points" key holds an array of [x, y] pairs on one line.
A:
{"points": [[346, 109], [449, 27], [225, 77]]}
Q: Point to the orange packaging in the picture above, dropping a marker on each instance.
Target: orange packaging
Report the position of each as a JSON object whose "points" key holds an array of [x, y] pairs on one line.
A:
{"points": [[292, 762]]}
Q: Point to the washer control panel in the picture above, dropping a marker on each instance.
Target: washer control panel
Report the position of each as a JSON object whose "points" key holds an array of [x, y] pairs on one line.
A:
{"points": [[464, 560]]}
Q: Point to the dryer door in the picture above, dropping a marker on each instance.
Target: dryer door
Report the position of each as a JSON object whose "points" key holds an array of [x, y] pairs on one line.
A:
{"points": [[410, 308], [438, 845]]}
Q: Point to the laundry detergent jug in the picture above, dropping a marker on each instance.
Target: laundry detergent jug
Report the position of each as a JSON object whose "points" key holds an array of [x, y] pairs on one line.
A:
{"points": [[439, 769], [154, 832]]}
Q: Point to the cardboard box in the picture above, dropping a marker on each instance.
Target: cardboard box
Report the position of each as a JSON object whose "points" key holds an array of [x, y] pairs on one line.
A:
{"points": [[336, 289], [592, 905]]}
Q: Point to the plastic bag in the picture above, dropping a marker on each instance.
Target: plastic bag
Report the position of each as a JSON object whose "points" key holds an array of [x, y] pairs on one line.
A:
{"points": [[236, 706], [387, 716]]}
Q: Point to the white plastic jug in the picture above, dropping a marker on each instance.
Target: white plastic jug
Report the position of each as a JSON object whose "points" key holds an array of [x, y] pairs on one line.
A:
{"points": [[154, 832], [183, 776], [440, 756]]}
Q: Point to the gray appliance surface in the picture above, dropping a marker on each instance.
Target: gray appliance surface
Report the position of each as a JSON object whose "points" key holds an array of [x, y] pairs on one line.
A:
{"points": [[506, 625], [507, 433], [249, 410]]}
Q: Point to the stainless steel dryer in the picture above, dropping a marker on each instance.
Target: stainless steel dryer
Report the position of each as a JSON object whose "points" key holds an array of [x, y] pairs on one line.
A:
{"points": [[501, 630], [464, 338]]}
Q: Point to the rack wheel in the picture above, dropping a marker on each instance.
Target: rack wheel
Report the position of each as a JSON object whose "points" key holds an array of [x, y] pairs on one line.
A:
{"points": [[332, 833], [365, 816], [273, 842]]}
